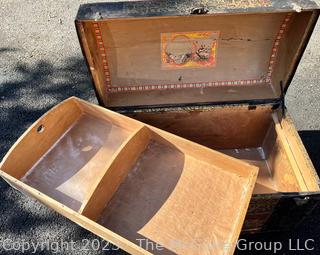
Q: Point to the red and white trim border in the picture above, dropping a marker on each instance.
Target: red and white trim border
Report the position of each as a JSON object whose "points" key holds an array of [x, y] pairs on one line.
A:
{"points": [[186, 85], [103, 53], [275, 47]]}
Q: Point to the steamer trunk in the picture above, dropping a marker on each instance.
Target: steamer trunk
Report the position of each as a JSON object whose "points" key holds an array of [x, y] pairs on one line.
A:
{"points": [[215, 73]]}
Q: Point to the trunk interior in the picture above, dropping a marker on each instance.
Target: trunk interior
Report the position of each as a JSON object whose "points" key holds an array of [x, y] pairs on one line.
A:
{"points": [[253, 135]]}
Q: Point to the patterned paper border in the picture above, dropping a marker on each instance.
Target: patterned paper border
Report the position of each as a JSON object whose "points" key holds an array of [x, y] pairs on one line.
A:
{"points": [[275, 47], [187, 85], [103, 53], [114, 89]]}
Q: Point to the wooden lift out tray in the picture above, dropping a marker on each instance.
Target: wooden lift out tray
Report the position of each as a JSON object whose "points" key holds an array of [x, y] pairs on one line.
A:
{"points": [[126, 181]]}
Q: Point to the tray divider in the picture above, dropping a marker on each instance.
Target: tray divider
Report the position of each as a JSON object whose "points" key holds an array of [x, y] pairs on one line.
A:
{"points": [[114, 173]]}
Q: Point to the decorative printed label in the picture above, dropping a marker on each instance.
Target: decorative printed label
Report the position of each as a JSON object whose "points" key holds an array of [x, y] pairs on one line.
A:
{"points": [[188, 49]]}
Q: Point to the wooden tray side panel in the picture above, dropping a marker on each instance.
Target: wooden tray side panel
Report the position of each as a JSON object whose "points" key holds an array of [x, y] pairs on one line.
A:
{"points": [[302, 158], [115, 118], [293, 150], [39, 138]]}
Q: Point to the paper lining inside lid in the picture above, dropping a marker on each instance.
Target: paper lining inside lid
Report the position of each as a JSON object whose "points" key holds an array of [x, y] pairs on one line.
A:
{"points": [[197, 59]]}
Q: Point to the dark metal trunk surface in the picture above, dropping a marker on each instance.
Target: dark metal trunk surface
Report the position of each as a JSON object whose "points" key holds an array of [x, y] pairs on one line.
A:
{"points": [[188, 7]]}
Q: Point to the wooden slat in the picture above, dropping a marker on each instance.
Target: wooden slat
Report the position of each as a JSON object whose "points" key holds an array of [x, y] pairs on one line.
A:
{"points": [[289, 153], [301, 156]]}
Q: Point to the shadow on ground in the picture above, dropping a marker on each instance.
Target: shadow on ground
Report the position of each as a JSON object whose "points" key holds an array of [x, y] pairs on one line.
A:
{"points": [[29, 93], [32, 90]]}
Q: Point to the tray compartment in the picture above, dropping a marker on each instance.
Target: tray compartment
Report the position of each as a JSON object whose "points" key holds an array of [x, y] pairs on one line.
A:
{"points": [[167, 194], [75, 159]]}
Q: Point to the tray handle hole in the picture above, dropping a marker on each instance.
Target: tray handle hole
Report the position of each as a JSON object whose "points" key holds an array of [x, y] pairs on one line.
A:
{"points": [[40, 128], [199, 11]]}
